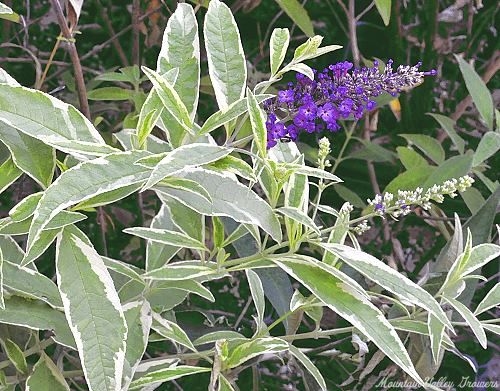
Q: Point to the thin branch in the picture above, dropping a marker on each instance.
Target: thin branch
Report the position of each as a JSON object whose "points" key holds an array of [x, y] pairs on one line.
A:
{"points": [[77, 66], [353, 35], [136, 13]]}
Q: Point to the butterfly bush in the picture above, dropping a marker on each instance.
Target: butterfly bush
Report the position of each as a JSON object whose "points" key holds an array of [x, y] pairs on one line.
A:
{"points": [[338, 92]]}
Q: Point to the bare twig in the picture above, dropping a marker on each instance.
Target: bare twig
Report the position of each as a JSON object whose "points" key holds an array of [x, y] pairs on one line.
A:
{"points": [[77, 66], [136, 13], [353, 35], [116, 42]]}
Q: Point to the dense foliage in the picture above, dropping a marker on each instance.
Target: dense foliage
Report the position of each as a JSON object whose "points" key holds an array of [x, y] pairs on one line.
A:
{"points": [[203, 224]]}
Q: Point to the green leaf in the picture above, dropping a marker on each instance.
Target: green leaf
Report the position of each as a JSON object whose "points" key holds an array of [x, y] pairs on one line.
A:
{"points": [[83, 182], [278, 44], [170, 98], [473, 199], [410, 180], [129, 271], [471, 320], [229, 198], [181, 49], [138, 317], [428, 145], [7, 14], [166, 374], [2, 301], [235, 165], [41, 317], [298, 14], [306, 70], [51, 121], [8, 174], [186, 185], [312, 171], [411, 159], [226, 59], [186, 156], [454, 167], [171, 331], [110, 93], [26, 207], [448, 125], [480, 255], [61, 220], [171, 238], [226, 115], [373, 152], [388, 278], [189, 286], [93, 311], [350, 196], [258, 121], [492, 299], [15, 355], [29, 154], [244, 350], [478, 91], [488, 146], [309, 365], [384, 9], [346, 298], [46, 376]]}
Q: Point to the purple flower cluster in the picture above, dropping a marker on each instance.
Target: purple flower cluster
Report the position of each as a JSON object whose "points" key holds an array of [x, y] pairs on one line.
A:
{"points": [[338, 92]]}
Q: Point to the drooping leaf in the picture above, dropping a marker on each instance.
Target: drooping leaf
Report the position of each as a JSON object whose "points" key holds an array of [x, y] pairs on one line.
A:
{"points": [[257, 292], [41, 317], [182, 271], [428, 145], [384, 9], [46, 376], [226, 60], [110, 93], [298, 14], [471, 320], [229, 198], [15, 355], [29, 154], [186, 156], [388, 278], [300, 217], [258, 122], [8, 174], [83, 182], [492, 299], [7, 13], [309, 365], [343, 297], [51, 121], [244, 350], [478, 91], [454, 167], [93, 311], [171, 331]]}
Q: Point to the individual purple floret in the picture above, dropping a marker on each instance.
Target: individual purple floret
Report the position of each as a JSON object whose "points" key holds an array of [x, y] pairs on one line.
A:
{"points": [[338, 92]]}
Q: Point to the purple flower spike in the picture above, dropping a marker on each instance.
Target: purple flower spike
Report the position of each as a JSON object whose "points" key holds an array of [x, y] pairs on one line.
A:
{"points": [[338, 92]]}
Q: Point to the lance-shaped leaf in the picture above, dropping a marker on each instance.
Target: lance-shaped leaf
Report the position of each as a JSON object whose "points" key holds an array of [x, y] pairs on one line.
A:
{"points": [[26, 282], [167, 374], [15, 355], [182, 271], [83, 182], [93, 311], [226, 60], [50, 120], [258, 122], [41, 317], [171, 238], [388, 278], [216, 336], [234, 110], [244, 350], [344, 298], [257, 292], [8, 174], [309, 365], [2, 301], [280, 39], [471, 320], [299, 216], [229, 198], [138, 318], [183, 157], [170, 98], [171, 331], [29, 154], [26, 207], [46, 376], [492, 299], [10, 227], [181, 49]]}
